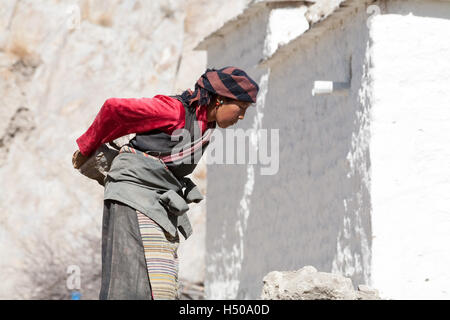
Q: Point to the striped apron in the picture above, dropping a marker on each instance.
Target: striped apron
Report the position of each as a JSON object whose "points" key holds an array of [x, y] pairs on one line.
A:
{"points": [[160, 250]]}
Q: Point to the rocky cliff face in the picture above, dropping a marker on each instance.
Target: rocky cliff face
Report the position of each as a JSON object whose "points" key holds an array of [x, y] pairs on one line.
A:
{"points": [[59, 61]]}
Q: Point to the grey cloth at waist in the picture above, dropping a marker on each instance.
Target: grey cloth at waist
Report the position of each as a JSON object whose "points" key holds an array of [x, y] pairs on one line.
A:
{"points": [[146, 184]]}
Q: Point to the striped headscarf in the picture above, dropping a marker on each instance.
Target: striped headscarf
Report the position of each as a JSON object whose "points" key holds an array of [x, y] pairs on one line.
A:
{"points": [[227, 82]]}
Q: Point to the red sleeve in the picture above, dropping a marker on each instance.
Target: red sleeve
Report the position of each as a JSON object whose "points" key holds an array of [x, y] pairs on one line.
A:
{"points": [[119, 117]]}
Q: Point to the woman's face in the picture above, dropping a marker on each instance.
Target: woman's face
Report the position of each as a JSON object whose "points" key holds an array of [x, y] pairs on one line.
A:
{"points": [[231, 112]]}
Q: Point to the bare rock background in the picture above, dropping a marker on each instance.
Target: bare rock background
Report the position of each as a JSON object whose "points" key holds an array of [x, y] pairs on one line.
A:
{"points": [[309, 284], [59, 61]]}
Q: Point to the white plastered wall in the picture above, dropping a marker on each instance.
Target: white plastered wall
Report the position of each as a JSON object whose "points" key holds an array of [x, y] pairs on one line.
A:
{"points": [[316, 209], [410, 150]]}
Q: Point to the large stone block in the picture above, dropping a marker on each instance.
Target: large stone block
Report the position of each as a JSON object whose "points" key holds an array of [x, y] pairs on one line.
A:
{"points": [[309, 284]]}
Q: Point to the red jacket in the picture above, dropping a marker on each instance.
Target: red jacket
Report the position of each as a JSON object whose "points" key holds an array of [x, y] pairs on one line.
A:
{"points": [[119, 117]]}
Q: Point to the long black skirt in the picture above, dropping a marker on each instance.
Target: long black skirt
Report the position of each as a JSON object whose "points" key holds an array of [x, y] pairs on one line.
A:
{"points": [[124, 269]]}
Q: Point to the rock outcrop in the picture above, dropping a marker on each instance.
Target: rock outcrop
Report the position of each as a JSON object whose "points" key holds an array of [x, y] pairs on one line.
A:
{"points": [[309, 284]]}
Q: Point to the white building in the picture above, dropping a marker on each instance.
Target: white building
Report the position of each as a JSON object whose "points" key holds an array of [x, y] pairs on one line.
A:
{"points": [[363, 187]]}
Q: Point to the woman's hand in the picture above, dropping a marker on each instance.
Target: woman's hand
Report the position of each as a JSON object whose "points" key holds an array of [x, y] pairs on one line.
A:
{"points": [[78, 159]]}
